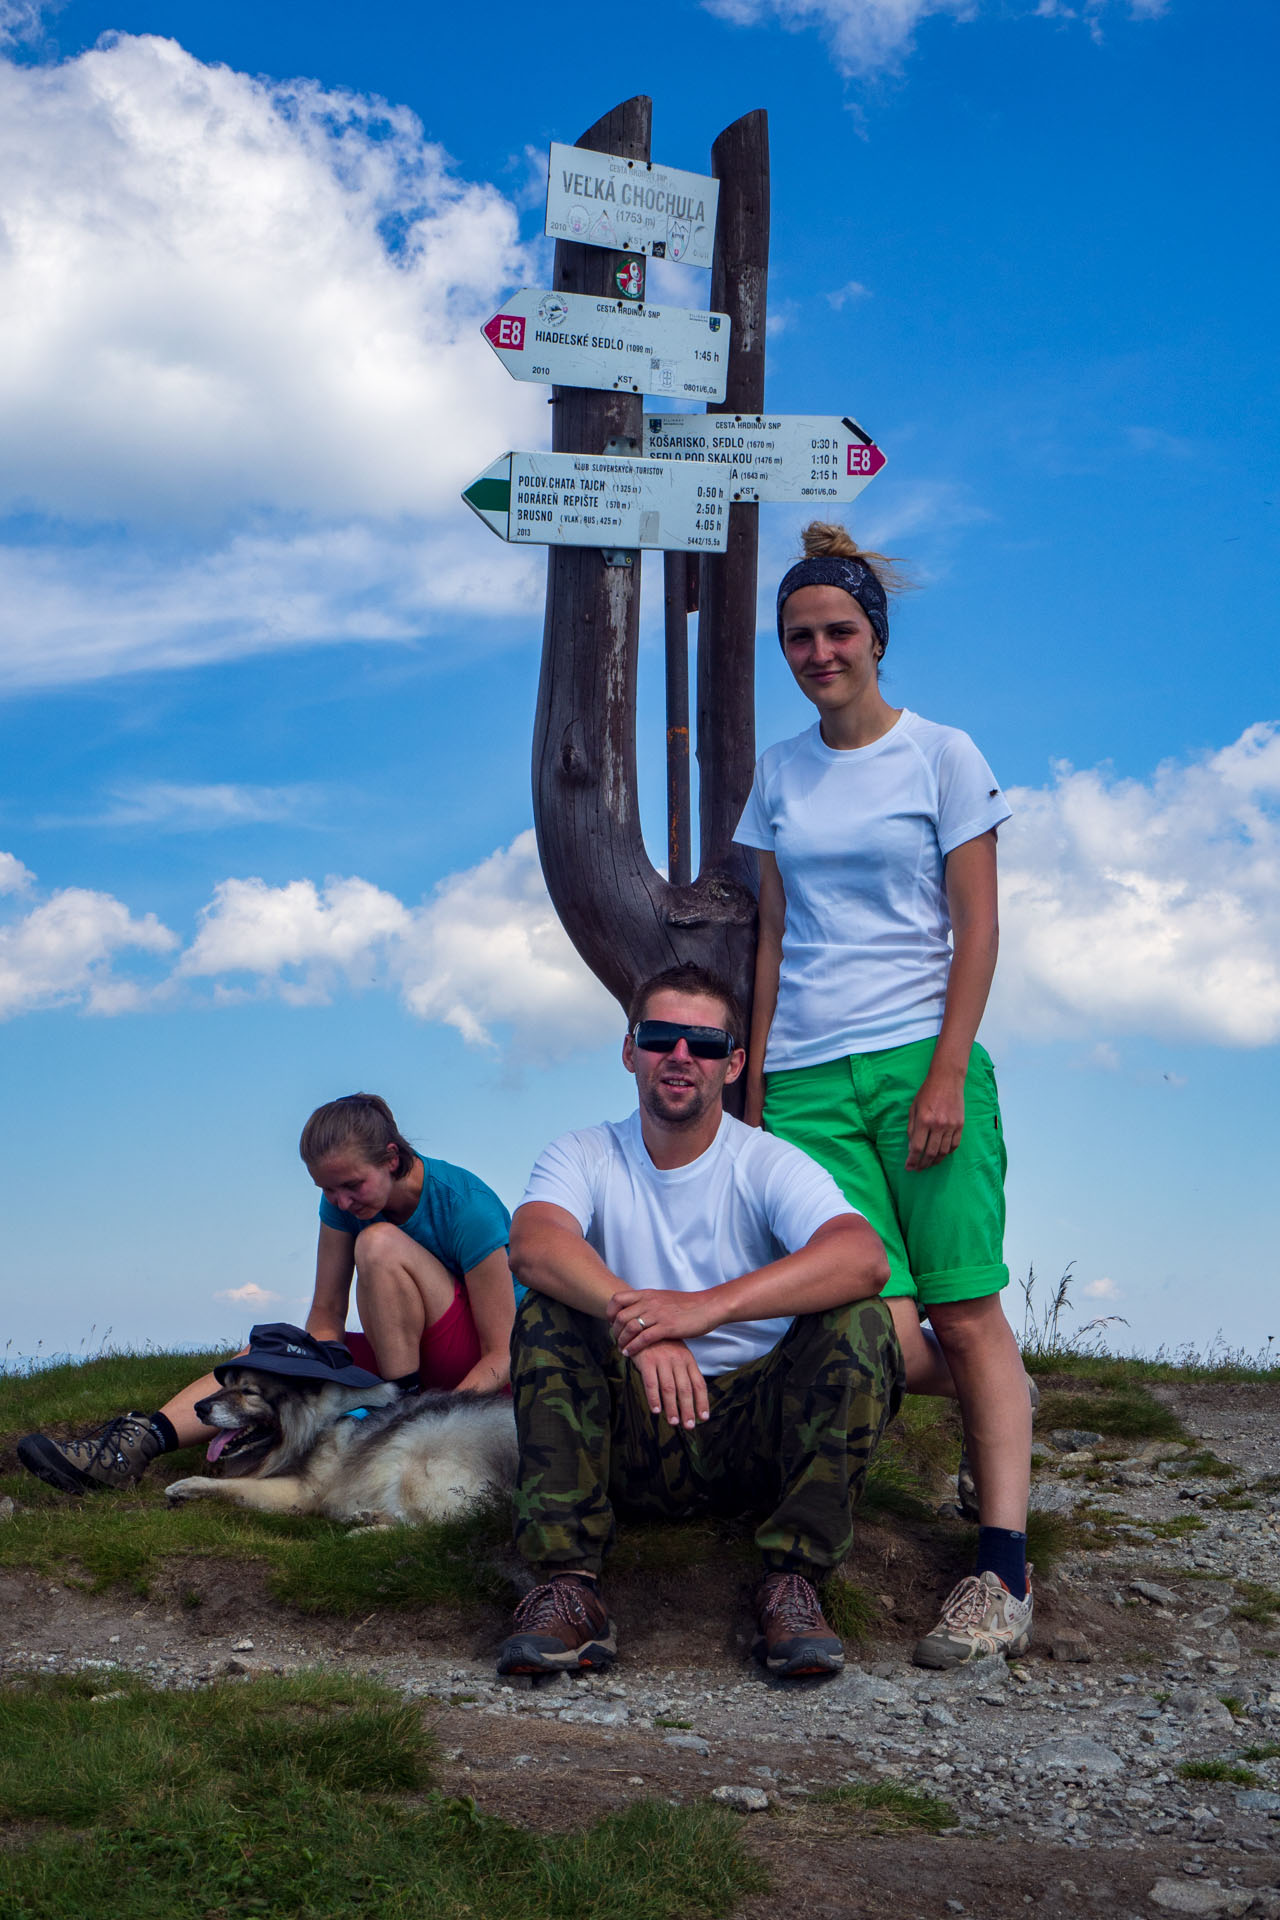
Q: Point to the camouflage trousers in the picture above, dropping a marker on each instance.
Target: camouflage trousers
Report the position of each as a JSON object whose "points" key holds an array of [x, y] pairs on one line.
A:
{"points": [[790, 1436]]}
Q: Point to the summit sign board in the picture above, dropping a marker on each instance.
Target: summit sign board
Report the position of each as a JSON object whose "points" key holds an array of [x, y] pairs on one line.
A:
{"points": [[575, 340], [632, 206], [798, 456], [579, 500]]}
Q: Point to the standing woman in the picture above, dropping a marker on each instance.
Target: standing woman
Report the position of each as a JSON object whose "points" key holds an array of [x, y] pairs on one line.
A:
{"points": [[878, 935]]}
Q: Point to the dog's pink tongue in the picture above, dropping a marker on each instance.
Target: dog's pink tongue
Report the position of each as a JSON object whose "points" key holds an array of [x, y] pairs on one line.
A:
{"points": [[216, 1445]]}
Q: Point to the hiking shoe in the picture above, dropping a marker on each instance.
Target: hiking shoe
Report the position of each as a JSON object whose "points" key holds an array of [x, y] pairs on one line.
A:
{"points": [[791, 1635], [980, 1618], [116, 1455], [560, 1627], [966, 1485]]}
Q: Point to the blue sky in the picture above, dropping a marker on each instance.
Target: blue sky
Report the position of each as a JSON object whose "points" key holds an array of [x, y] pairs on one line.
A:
{"points": [[266, 688]]}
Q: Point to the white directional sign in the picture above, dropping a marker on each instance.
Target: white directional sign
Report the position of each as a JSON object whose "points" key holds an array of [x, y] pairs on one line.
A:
{"points": [[576, 340], [576, 500], [797, 456], [631, 205]]}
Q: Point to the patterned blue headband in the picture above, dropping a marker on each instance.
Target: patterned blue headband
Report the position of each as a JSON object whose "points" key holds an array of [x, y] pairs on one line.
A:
{"points": [[834, 570]]}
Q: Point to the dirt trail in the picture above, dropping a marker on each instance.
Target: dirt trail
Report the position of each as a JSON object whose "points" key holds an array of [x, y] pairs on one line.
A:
{"points": [[1066, 1776]]}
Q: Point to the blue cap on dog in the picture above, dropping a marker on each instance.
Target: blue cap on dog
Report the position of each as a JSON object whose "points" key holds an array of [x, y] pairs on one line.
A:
{"points": [[279, 1348]]}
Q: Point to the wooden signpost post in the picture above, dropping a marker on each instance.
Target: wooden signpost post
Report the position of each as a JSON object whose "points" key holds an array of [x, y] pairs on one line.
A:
{"points": [[686, 483]]}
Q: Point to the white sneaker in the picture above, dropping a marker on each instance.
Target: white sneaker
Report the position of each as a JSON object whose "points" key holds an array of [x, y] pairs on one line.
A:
{"points": [[980, 1618]]}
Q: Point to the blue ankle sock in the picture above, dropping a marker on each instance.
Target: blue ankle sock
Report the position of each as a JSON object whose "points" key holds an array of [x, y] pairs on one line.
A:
{"points": [[1004, 1553]]}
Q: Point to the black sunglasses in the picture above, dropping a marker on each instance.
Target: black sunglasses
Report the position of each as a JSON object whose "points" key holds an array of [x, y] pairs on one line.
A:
{"points": [[663, 1036]]}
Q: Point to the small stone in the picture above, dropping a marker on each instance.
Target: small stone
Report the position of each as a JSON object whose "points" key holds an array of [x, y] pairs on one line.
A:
{"points": [[7, 1509], [975, 1677], [1158, 1596], [1258, 1800], [234, 1668], [1073, 1439], [688, 1743], [113, 1639], [1050, 1496], [939, 1717], [1211, 1617], [1074, 1753], [1206, 1897], [242, 1646], [955, 1906], [745, 1799], [116, 1693], [1067, 1644]]}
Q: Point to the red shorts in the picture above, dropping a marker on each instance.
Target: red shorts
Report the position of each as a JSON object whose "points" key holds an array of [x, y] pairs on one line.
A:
{"points": [[447, 1351]]}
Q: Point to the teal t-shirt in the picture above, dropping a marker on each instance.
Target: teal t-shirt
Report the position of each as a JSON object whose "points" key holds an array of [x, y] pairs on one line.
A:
{"points": [[458, 1218]]}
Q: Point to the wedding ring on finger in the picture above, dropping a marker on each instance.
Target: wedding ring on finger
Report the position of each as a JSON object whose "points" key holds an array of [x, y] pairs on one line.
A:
{"points": [[640, 1320]]}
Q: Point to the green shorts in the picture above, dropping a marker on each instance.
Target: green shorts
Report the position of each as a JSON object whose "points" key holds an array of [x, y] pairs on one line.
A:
{"points": [[943, 1227]]}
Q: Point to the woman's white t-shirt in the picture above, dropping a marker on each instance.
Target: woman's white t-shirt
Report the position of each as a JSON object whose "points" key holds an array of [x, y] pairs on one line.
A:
{"points": [[860, 837], [748, 1200]]}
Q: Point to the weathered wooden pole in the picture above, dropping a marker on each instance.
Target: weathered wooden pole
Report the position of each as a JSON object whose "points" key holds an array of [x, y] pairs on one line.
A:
{"points": [[727, 596], [624, 918], [680, 599]]}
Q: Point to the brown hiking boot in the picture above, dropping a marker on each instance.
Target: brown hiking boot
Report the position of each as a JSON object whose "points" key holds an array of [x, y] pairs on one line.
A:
{"points": [[116, 1455], [792, 1637], [562, 1626]]}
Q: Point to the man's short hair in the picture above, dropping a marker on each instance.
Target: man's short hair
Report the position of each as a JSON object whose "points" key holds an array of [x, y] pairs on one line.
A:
{"points": [[689, 977]]}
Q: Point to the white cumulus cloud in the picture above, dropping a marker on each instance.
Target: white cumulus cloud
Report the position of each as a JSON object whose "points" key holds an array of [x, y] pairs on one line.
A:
{"points": [[62, 951], [1147, 906], [249, 1295], [240, 321], [871, 36], [219, 292], [485, 951], [1101, 1289]]}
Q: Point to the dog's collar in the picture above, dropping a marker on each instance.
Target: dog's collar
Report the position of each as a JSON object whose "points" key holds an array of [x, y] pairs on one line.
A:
{"points": [[355, 1413]]}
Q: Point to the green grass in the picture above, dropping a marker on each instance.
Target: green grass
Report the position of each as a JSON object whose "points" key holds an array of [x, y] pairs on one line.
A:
{"points": [[1179, 1528], [1049, 1536], [86, 1393], [1269, 1750], [1116, 1370], [850, 1609], [1224, 1770], [306, 1799], [1234, 1706], [1256, 1602], [1124, 1410], [1205, 1465], [313, 1565], [888, 1809]]}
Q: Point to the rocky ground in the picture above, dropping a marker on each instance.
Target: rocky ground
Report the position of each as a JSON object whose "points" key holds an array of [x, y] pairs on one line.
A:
{"points": [[1067, 1773]]}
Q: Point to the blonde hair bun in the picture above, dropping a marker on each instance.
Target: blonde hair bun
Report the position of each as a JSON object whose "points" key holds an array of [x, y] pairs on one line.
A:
{"points": [[828, 540]]}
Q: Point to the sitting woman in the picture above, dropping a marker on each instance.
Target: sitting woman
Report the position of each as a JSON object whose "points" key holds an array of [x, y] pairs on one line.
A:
{"points": [[426, 1244]]}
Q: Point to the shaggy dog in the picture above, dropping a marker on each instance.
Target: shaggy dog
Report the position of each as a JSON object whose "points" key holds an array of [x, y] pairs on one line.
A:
{"points": [[364, 1454]]}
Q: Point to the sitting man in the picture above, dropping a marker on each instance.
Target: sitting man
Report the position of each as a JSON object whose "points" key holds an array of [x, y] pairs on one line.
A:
{"points": [[702, 1333]]}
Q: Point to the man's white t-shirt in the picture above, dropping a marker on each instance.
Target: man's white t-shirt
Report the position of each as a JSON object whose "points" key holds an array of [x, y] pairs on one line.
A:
{"points": [[749, 1199], [860, 837]]}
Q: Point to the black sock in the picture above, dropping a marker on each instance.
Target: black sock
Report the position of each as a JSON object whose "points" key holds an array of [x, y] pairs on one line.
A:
{"points": [[409, 1382], [164, 1427], [1004, 1553]]}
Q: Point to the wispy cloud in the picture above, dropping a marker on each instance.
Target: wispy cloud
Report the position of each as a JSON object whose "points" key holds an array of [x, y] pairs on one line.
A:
{"points": [[174, 807], [852, 290], [875, 36], [1100, 1289], [95, 611], [1172, 446]]}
